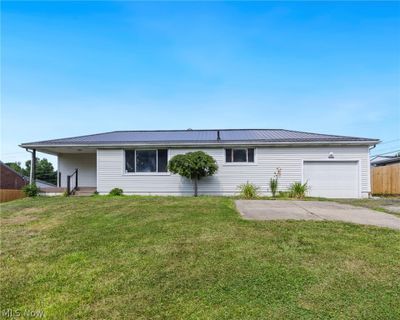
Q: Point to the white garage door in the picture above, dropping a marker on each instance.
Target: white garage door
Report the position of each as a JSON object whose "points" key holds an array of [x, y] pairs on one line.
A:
{"points": [[336, 179]]}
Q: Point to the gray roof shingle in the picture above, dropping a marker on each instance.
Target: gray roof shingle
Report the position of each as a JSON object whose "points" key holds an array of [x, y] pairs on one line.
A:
{"points": [[198, 136]]}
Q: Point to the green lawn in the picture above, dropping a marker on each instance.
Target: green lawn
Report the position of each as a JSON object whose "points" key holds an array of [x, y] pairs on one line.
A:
{"points": [[383, 204], [190, 258]]}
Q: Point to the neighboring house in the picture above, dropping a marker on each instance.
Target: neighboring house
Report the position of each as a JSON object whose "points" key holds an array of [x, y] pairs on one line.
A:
{"points": [[384, 160], [136, 161], [10, 179]]}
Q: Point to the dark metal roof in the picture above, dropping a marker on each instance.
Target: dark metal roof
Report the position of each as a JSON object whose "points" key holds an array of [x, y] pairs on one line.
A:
{"points": [[198, 136], [384, 160]]}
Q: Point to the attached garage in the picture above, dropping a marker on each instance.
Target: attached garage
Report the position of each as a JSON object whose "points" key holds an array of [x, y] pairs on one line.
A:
{"points": [[332, 179]]}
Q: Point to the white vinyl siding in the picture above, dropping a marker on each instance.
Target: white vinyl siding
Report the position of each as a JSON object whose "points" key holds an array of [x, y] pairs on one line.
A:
{"points": [[86, 164], [111, 166]]}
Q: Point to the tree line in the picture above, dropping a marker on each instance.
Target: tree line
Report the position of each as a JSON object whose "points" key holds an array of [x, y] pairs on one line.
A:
{"points": [[44, 169]]}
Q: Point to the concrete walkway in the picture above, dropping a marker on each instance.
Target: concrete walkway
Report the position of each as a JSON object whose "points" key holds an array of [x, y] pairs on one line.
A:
{"points": [[314, 210]]}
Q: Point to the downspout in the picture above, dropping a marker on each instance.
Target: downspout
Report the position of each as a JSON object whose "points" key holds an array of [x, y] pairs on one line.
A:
{"points": [[33, 166], [373, 147], [369, 171], [369, 151]]}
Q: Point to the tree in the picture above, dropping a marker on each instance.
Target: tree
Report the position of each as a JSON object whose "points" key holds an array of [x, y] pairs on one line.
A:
{"points": [[44, 170], [194, 166]]}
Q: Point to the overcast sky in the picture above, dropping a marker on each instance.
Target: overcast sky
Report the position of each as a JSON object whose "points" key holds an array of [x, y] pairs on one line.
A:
{"points": [[78, 68]]}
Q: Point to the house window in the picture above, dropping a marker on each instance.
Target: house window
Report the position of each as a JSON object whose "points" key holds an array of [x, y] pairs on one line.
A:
{"points": [[154, 160], [162, 160], [239, 155], [129, 160], [146, 160]]}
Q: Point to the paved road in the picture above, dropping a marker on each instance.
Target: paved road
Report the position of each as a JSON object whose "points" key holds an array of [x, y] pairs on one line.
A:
{"points": [[314, 210]]}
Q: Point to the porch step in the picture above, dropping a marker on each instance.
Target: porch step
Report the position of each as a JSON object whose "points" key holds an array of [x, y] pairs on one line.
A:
{"points": [[84, 191], [87, 189], [52, 190]]}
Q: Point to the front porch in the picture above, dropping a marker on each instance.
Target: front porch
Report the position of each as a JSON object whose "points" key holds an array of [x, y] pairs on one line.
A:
{"points": [[80, 191], [76, 170]]}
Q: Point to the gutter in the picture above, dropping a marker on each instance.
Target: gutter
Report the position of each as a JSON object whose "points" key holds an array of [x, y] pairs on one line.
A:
{"points": [[194, 144]]}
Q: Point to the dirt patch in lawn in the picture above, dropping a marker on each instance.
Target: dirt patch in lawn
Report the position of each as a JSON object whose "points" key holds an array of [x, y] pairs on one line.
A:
{"points": [[31, 210], [18, 220]]}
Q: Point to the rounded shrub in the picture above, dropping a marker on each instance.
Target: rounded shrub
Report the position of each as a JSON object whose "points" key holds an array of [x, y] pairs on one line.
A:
{"points": [[116, 192], [194, 166], [31, 190]]}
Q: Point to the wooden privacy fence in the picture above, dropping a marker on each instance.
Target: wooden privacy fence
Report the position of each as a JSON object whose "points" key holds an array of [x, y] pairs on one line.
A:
{"points": [[10, 194], [386, 179]]}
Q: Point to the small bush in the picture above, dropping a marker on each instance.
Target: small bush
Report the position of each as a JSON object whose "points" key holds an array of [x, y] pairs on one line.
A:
{"points": [[96, 193], [249, 191], [298, 190], [116, 192], [30, 190]]}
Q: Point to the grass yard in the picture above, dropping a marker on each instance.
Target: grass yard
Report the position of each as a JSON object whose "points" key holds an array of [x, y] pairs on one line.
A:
{"points": [[190, 258], [383, 204]]}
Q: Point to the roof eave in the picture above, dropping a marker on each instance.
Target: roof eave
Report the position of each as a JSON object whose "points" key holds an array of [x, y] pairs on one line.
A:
{"points": [[191, 143]]}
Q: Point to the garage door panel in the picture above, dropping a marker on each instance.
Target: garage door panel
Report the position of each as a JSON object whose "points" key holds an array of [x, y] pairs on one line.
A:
{"points": [[338, 179]]}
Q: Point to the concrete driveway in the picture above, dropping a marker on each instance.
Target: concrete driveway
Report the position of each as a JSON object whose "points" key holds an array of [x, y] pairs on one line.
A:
{"points": [[314, 210]]}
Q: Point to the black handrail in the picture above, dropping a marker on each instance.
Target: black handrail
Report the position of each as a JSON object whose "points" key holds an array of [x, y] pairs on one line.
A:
{"points": [[69, 190]]}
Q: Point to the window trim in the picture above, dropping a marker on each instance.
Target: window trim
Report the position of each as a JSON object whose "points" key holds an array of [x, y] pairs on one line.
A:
{"points": [[155, 173], [254, 163]]}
